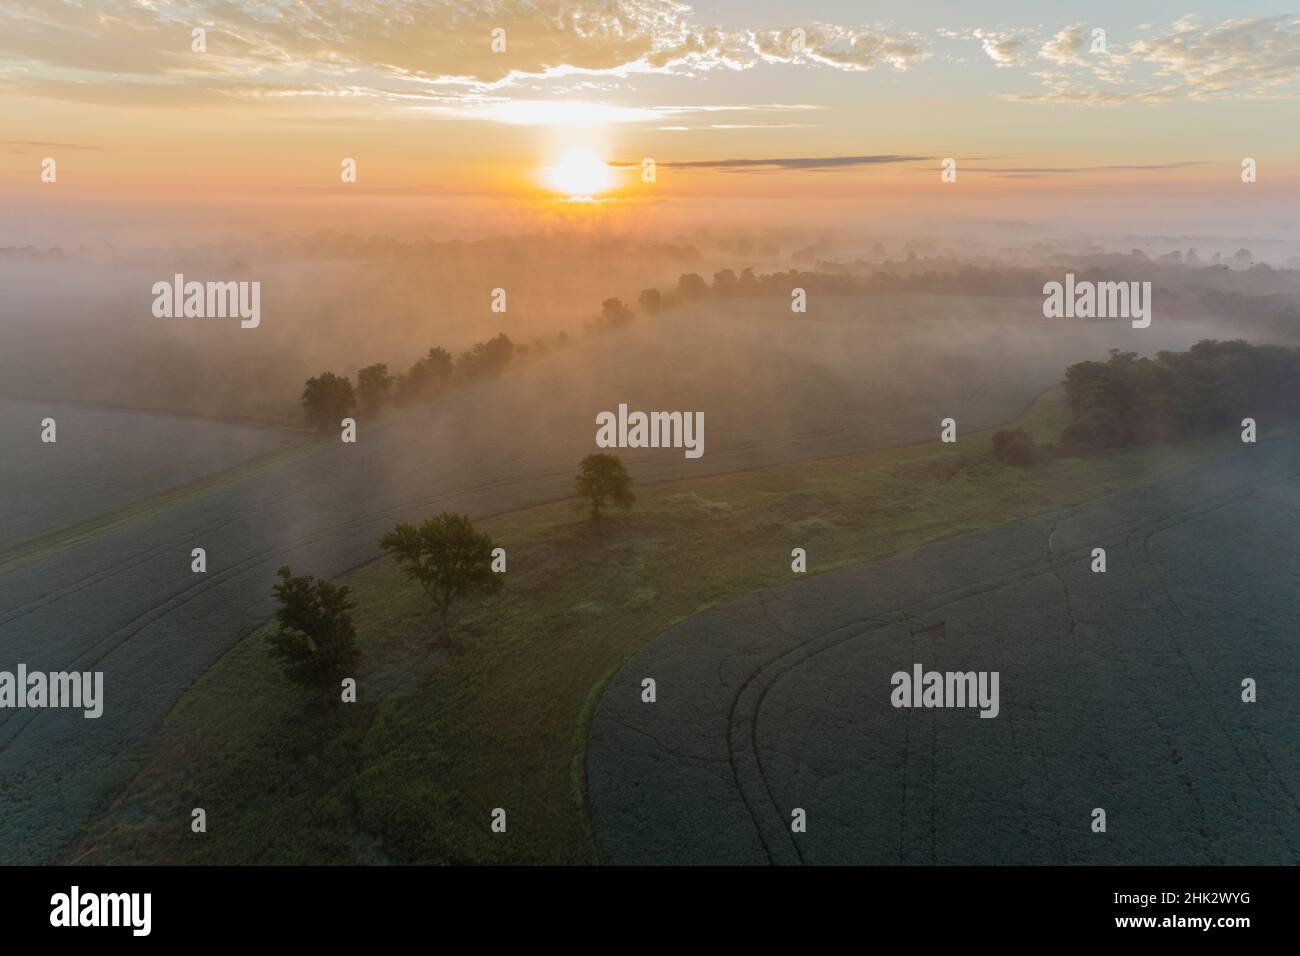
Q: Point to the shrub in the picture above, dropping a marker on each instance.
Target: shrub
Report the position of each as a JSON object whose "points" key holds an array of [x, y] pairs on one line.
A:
{"points": [[1014, 448]]}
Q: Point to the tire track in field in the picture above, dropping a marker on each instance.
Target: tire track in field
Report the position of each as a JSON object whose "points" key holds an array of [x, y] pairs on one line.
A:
{"points": [[1166, 602], [771, 672]]}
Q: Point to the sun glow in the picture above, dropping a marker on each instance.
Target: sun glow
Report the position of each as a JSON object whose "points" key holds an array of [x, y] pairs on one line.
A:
{"points": [[579, 174]]}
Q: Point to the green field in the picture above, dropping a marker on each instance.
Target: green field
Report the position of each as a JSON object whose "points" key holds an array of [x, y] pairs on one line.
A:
{"points": [[413, 771]]}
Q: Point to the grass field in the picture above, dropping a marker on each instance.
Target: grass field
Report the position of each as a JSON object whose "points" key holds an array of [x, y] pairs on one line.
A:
{"points": [[413, 771]]}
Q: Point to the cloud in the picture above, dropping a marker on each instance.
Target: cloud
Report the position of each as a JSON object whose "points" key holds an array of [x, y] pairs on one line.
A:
{"points": [[437, 55], [579, 113], [1062, 94], [753, 126], [1236, 57], [801, 162], [1239, 59], [859, 50], [23, 146], [552, 113], [1068, 47], [1047, 170], [397, 50], [1005, 48]]}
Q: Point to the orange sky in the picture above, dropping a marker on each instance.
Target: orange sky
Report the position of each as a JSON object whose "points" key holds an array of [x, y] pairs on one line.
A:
{"points": [[435, 116]]}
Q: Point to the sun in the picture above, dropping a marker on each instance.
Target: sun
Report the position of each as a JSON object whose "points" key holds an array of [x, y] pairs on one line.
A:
{"points": [[579, 174]]}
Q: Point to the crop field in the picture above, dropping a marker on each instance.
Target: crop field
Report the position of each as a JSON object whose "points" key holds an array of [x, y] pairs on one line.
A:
{"points": [[121, 597], [105, 459], [405, 775], [1119, 690]]}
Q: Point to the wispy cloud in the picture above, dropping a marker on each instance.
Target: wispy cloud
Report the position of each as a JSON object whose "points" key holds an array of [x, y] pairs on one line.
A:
{"points": [[22, 146], [437, 55], [579, 113], [798, 162], [1188, 60], [1049, 170], [1069, 47], [400, 51], [1255, 58], [1005, 47]]}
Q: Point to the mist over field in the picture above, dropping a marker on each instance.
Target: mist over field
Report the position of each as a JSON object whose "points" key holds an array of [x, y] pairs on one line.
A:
{"points": [[637, 432], [899, 337], [80, 325]]}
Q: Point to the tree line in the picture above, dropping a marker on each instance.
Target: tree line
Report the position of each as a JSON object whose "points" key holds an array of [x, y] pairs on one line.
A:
{"points": [[1129, 400], [327, 398]]}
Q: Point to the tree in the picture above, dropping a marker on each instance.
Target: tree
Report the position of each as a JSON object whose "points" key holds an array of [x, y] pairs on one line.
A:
{"points": [[613, 313], [373, 387], [602, 478], [427, 377], [650, 301], [327, 399], [1129, 400], [724, 283], [486, 358], [448, 559], [691, 285], [316, 639]]}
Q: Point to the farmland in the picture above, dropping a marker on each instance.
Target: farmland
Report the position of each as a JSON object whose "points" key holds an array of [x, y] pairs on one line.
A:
{"points": [[106, 459], [121, 597], [1120, 690], [409, 774]]}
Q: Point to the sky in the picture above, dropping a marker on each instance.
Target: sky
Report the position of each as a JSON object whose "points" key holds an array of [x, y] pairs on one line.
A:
{"points": [[736, 102]]}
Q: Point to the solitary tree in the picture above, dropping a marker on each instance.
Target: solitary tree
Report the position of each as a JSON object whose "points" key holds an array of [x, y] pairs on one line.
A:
{"points": [[602, 478], [316, 639], [449, 560], [327, 399]]}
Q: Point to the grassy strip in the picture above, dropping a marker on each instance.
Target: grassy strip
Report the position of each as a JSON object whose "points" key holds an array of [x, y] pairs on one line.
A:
{"points": [[413, 771]]}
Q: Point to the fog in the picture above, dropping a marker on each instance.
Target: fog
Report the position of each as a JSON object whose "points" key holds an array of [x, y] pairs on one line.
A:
{"points": [[78, 323], [899, 332]]}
